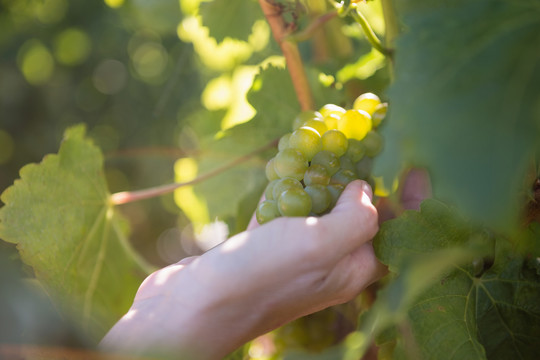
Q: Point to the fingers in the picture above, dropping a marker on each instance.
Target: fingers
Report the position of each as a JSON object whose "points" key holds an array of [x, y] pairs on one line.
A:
{"points": [[352, 222], [186, 261]]}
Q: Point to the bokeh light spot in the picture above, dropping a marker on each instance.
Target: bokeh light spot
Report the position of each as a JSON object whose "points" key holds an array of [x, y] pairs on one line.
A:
{"points": [[114, 3], [72, 47], [110, 76], [35, 62], [150, 60], [50, 11]]}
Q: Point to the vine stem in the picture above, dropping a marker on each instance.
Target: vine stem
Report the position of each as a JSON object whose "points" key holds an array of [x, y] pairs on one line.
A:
{"points": [[125, 197], [280, 31], [370, 34], [312, 27]]}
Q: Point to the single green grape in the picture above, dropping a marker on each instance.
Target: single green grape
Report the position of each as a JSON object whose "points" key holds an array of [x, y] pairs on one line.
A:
{"points": [[269, 191], [373, 142], [328, 109], [356, 150], [305, 116], [343, 177], [364, 167], [335, 141], [347, 164], [290, 163], [284, 142], [367, 102], [379, 114], [284, 184], [327, 159], [317, 124], [306, 140], [294, 202], [320, 198], [270, 170], [355, 124], [316, 174], [266, 211], [335, 191]]}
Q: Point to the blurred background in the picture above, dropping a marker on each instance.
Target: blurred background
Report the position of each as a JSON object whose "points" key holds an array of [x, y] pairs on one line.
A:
{"points": [[117, 67], [154, 85], [149, 82]]}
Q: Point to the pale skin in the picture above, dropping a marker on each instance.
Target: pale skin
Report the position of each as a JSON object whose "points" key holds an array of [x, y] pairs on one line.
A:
{"points": [[205, 307]]}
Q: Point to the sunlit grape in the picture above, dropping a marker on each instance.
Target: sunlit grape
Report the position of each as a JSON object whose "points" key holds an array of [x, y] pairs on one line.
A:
{"points": [[307, 141], [379, 114], [367, 102], [305, 116], [317, 124], [331, 121], [355, 124], [331, 109]]}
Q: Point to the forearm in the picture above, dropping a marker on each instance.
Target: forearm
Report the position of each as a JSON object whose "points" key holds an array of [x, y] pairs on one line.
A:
{"points": [[201, 322]]}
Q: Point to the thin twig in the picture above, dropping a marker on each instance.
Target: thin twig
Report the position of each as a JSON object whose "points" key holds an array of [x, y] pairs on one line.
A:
{"points": [[125, 197], [312, 27], [370, 34], [161, 151]]}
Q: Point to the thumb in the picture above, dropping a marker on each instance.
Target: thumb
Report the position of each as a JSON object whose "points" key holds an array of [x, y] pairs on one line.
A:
{"points": [[354, 219]]}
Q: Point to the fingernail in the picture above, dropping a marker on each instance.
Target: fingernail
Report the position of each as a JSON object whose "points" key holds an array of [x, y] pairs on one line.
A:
{"points": [[367, 189]]}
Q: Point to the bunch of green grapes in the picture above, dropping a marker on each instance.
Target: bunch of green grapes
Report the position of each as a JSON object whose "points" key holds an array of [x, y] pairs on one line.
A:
{"points": [[326, 150]]}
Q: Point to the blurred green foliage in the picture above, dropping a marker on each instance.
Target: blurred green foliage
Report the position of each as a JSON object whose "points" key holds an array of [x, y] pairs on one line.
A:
{"points": [[152, 84], [167, 90]]}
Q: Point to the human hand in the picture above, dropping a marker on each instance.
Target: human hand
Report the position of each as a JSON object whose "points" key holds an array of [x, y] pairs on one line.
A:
{"points": [[204, 307]]}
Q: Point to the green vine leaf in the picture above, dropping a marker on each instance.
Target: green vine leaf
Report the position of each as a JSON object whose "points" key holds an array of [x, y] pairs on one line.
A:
{"points": [[230, 18], [480, 307], [65, 228], [273, 97], [464, 101]]}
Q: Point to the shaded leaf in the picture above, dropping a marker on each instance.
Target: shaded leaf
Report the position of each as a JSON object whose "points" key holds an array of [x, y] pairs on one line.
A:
{"points": [[465, 101], [465, 311], [273, 97], [66, 229]]}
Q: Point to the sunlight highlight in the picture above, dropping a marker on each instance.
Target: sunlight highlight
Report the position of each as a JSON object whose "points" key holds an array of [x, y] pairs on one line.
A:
{"points": [[35, 62]]}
